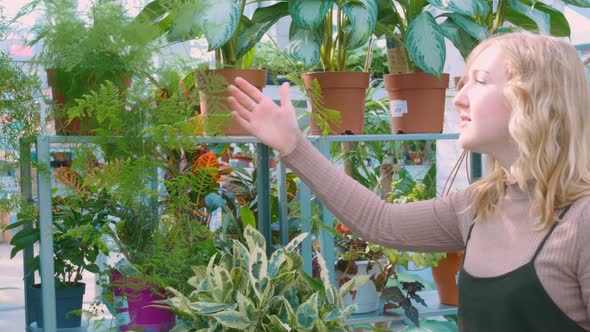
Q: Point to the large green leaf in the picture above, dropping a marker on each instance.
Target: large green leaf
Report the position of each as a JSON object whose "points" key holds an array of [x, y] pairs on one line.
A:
{"points": [[541, 19], [304, 45], [25, 238], [186, 24], [426, 45], [464, 7], [474, 29], [362, 15], [558, 23], [578, 3], [233, 319], [262, 20], [387, 18], [462, 41], [219, 19], [309, 14]]}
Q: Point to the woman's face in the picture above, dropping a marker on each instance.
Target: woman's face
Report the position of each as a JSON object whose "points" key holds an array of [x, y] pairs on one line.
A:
{"points": [[484, 111]]}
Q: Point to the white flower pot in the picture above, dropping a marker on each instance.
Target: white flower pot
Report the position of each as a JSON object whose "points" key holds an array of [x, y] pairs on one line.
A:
{"points": [[366, 297]]}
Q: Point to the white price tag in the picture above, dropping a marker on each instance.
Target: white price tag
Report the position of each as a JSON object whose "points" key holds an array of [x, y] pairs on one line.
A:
{"points": [[398, 108]]}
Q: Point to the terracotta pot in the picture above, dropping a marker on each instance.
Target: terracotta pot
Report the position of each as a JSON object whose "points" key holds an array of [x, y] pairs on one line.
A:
{"points": [[344, 92], [82, 127], [445, 278], [213, 92], [416, 102]]}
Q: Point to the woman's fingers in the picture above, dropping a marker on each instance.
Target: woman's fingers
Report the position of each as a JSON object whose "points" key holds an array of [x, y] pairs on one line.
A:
{"points": [[284, 94], [245, 124], [243, 99], [239, 109], [249, 89]]}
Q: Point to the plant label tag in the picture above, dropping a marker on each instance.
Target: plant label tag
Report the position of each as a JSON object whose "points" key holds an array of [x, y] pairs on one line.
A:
{"points": [[398, 108]]}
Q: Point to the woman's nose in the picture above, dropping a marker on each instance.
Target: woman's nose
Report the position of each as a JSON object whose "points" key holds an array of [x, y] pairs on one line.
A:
{"points": [[461, 101]]}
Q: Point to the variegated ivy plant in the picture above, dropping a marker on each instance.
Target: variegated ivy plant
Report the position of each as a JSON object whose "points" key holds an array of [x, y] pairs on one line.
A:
{"points": [[313, 36], [463, 22], [228, 32], [246, 291]]}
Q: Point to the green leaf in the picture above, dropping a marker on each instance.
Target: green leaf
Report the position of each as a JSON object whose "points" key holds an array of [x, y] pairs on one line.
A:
{"points": [[363, 18], [218, 20], [426, 45], [25, 238], [462, 41], [262, 20], [559, 24], [277, 325], [232, 319], [387, 18], [578, 3], [309, 14], [474, 29], [247, 217], [221, 285], [392, 294], [307, 313], [186, 22], [464, 7], [304, 45], [276, 260], [296, 242], [541, 19]]}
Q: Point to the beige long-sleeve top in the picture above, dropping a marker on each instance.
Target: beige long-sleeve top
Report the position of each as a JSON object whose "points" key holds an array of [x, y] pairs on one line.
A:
{"points": [[498, 245]]}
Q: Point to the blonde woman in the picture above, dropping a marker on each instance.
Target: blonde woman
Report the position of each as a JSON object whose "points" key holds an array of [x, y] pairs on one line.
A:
{"points": [[525, 227]]}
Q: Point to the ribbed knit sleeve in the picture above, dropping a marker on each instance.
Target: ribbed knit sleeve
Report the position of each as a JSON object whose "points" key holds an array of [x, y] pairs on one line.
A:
{"points": [[425, 226], [583, 249]]}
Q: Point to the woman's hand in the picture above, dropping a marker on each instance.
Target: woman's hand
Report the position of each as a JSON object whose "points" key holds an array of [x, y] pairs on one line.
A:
{"points": [[274, 125]]}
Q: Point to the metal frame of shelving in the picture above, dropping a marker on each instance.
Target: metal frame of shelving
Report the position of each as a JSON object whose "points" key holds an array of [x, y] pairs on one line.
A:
{"points": [[42, 147]]}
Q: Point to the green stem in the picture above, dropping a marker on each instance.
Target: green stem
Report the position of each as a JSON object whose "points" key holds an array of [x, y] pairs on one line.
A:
{"points": [[499, 17], [340, 41], [327, 51]]}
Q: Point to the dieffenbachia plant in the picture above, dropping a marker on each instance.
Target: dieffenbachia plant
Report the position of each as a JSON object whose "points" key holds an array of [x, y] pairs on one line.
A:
{"points": [[313, 36], [246, 291], [464, 22], [230, 33]]}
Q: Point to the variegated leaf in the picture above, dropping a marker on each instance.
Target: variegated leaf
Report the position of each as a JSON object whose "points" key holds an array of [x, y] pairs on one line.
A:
{"points": [[254, 239], [277, 325], [542, 20], [274, 263], [324, 275], [205, 308], [221, 285], [474, 29], [309, 14], [363, 18], [296, 242], [262, 20], [578, 3], [304, 45], [186, 24], [353, 284], [219, 20], [232, 319], [426, 45], [464, 7], [332, 315], [307, 313], [246, 306], [241, 255], [258, 268]]}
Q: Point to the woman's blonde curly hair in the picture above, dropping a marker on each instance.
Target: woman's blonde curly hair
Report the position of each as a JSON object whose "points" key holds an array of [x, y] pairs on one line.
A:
{"points": [[550, 123]]}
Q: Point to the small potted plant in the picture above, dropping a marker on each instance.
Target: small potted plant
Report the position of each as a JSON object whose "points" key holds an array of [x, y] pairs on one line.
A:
{"points": [[81, 215], [231, 34], [337, 96]]}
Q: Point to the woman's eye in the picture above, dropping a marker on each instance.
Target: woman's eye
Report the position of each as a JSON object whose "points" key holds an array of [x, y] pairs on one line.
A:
{"points": [[479, 82]]}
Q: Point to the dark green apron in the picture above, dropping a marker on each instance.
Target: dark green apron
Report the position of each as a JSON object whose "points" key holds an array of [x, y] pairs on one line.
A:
{"points": [[513, 302]]}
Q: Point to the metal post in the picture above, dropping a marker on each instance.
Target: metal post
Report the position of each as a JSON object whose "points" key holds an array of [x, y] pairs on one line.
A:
{"points": [[263, 188], [283, 204], [46, 242], [326, 237], [306, 250], [476, 168], [26, 188]]}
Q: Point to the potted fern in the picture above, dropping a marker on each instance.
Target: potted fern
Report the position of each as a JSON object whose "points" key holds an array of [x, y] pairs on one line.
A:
{"points": [[337, 96], [82, 50]]}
